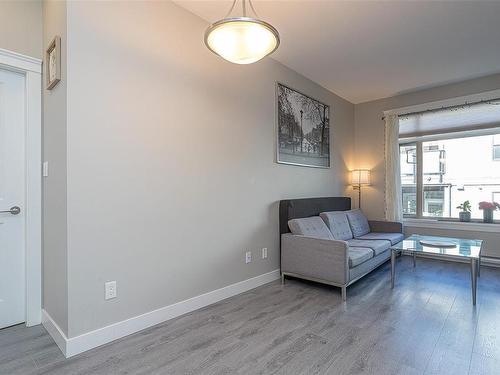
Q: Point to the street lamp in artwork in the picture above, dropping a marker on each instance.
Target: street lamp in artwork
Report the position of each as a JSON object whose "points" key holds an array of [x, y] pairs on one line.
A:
{"points": [[301, 132]]}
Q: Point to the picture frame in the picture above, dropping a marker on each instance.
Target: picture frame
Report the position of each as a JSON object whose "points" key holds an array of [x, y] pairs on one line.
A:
{"points": [[302, 129], [53, 63]]}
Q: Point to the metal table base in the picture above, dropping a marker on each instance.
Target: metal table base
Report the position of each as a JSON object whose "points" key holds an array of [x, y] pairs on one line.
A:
{"points": [[475, 265]]}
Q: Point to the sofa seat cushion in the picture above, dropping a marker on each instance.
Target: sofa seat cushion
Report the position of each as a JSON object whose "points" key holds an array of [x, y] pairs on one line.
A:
{"points": [[358, 255], [378, 246], [393, 237], [358, 222], [312, 226], [338, 224]]}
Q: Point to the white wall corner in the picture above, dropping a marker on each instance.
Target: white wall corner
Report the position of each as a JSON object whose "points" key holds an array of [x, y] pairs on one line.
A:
{"points": [[101, 336]]}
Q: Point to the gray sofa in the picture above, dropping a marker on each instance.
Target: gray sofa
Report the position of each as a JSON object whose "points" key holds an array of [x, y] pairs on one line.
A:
{"points": [[337, 247]]}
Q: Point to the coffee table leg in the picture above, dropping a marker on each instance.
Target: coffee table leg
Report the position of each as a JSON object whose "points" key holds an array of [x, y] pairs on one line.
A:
{"points": [[473, 273], [479, 266], [393, 267]]}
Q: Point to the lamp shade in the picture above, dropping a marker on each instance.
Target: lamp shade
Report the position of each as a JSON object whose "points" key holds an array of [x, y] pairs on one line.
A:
{"points": [[360, 177], [242, 40]]}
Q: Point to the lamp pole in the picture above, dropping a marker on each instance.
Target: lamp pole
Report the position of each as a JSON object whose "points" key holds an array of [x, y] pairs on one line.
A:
{"points": [[359, 195], [360, 177]]}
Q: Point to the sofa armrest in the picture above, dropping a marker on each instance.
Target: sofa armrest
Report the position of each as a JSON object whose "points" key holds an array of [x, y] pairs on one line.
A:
{"points": [[315, 258], [386, 226]]}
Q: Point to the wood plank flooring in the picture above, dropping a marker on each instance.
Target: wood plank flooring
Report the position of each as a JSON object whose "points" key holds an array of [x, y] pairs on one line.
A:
{"points": [[426, 325]]}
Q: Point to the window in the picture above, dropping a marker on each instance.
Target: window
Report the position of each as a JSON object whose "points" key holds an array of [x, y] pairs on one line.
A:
{"points": [[438, 173], [496, 147], [496, 196]]}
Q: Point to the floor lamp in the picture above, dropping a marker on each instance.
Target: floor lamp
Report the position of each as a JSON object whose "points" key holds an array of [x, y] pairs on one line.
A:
{"points": [[360, 177]]}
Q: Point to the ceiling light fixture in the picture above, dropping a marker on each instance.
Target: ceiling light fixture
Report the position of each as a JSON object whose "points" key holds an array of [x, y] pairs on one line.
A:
{"points": [[242, 40]]}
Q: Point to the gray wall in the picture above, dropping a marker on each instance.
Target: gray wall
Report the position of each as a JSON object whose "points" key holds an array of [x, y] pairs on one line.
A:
{"points": [[171, 172], [369, 139], [55, 282], [21, 26]]}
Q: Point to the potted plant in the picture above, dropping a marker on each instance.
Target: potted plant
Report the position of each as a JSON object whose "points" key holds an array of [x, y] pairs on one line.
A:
{"points": [[488, 208], [465, 208]]}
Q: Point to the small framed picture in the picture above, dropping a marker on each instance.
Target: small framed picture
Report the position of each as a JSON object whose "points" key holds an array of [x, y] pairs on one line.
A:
{"points": [[53, 62]]}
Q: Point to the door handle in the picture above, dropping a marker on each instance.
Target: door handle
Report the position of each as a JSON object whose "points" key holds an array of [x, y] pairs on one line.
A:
{"points": [[13, 210]]}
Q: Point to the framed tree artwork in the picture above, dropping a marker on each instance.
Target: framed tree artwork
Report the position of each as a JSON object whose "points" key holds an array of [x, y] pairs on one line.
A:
{"points": [[303, 127], [53, 63]]}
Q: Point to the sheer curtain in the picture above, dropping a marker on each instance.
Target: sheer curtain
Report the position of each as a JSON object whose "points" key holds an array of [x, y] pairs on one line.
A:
{"points": [[393, 193]]}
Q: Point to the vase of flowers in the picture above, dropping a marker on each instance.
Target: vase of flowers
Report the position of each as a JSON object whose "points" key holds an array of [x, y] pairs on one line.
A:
{"points": [[465, 208], [488, 208]]}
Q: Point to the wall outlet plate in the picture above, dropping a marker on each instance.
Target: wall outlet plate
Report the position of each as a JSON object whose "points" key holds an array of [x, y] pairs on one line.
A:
{"points": [[264, 253], [248, 257], [45, 169], [110, 290]]}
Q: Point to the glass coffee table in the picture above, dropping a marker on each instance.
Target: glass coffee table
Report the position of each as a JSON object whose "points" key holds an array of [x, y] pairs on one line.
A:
{"points": [[445, 248]]}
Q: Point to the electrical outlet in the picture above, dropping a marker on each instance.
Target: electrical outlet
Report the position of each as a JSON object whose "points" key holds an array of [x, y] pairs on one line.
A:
{"points": [[264, 253], [110, 290], [45, 169], [248, 257]]}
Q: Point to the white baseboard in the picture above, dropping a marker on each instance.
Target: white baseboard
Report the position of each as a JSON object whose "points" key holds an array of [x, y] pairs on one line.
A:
{"points": [[79, 344], [54, 331]]}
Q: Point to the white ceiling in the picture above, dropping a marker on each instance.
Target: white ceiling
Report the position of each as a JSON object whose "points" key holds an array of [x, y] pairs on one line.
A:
{"points": [[366, 50]]}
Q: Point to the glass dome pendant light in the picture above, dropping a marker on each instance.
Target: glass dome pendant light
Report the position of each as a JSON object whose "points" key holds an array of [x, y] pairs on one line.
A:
{"points": [[242, 40]]}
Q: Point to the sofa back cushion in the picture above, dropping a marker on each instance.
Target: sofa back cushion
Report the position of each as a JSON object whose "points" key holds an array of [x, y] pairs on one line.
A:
{"points": [[358, 222], [311, 227], [338, 224]]}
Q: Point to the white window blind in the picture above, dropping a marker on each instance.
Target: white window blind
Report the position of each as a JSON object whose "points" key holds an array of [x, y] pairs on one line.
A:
{"points": [[478, 116]]}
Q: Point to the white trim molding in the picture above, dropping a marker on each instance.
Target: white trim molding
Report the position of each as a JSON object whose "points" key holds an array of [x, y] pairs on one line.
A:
{"points": [[451, 225], [79, 344], [31, 68], [33, 198], [20, 62]]}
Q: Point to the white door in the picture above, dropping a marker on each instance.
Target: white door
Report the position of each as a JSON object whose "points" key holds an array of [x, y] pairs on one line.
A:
{"points": [[12, 194]]}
